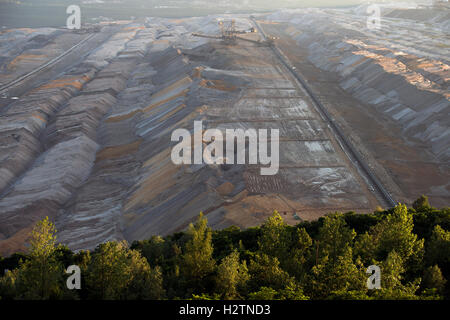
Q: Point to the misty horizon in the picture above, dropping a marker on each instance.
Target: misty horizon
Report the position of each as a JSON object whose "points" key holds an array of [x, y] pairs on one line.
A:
{"points": [[51, 13]]}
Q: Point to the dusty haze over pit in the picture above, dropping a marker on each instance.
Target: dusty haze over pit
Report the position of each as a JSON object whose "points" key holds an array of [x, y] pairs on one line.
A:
{"points": [[52, 13]]}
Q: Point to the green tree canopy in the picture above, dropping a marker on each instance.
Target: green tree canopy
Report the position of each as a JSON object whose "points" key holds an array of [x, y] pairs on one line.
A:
{"points": [[232, 275], [41, 276], [421, 203], [116, 272], [197, 261]]}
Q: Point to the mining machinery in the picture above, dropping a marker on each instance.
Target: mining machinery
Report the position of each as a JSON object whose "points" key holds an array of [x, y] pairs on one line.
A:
{"points": [[229, 34]]}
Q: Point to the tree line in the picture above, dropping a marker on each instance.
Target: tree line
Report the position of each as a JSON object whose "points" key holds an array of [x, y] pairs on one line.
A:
{"points": [[323, 259]]}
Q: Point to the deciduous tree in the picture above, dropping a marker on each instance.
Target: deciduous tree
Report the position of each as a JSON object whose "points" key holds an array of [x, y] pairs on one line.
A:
{"points": [[41, 276], [232, 275]]}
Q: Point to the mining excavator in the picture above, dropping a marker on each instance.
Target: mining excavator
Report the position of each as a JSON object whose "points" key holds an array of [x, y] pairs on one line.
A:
{"points": [[230, 35]]}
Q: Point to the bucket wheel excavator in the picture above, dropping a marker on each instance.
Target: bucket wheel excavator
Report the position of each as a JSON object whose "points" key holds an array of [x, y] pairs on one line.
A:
{"points": [[230, 35]]}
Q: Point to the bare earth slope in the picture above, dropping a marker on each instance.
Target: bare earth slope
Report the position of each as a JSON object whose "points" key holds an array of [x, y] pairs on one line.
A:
{"points": [[90, 147], [389, 88]]}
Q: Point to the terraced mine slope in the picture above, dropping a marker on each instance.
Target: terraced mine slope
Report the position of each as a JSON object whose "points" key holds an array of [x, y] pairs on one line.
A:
{"points": [[89, 146], [388, 88]]}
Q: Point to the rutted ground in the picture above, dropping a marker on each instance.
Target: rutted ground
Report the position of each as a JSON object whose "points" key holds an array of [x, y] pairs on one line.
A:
{"points": [[389, 88], [135, 191], [91, 148]]}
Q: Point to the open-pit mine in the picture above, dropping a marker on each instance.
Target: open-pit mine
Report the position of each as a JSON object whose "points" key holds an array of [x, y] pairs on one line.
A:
{"points": [[86, 120]]}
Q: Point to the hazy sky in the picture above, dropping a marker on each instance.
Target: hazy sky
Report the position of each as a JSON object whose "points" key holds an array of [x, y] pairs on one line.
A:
{"points": [[44, 13]]}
